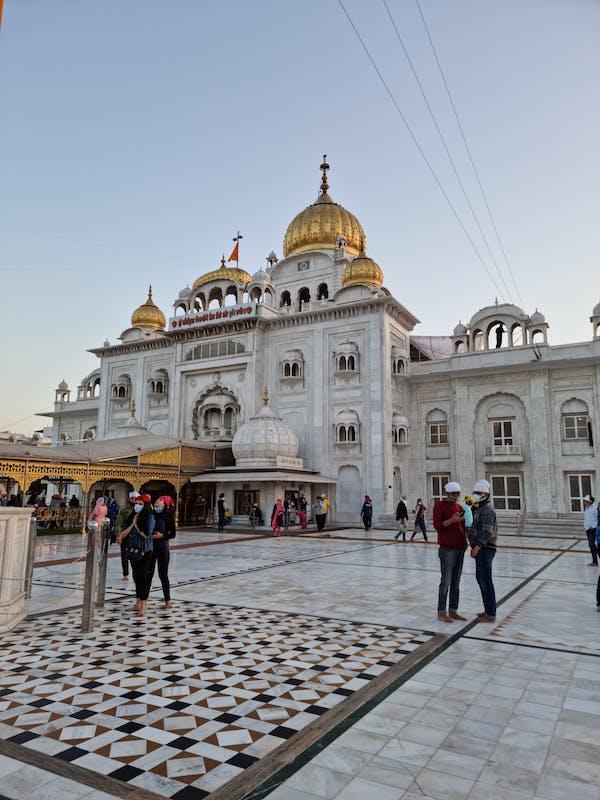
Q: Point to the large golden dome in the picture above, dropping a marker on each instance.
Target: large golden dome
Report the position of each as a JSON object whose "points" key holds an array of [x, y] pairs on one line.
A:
{"points": [[234, 274], [319, 225], [362, 271], [148, 315]]}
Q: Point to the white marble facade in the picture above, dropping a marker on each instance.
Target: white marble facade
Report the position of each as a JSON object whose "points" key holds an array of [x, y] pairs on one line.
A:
{"points": [[379, 409]]}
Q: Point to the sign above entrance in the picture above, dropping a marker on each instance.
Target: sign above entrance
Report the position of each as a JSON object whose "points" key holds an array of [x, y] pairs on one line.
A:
{"points": [[200, 318]]}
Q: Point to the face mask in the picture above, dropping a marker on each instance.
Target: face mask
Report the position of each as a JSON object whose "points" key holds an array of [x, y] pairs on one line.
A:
{"points": [[476, 498], [138, 507], [158, 509]]}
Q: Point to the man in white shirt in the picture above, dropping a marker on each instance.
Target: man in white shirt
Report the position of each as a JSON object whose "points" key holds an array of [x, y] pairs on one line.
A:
{"points": [[590, 523]]}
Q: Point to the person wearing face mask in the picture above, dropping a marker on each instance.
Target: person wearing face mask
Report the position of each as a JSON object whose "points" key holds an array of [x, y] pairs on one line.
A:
{"points": [[164, 531], [482, 538], [449, 522], [142, 520]]}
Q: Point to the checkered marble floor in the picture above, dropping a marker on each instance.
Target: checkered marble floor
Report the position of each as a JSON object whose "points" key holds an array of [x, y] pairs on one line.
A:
{"points": [[183, 700]]}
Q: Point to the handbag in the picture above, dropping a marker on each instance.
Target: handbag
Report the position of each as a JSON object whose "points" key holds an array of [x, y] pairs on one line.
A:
{"points": [[402, 527], [135, 546]]}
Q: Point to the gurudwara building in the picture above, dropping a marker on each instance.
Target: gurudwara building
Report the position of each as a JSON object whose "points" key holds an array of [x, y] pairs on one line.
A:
{"points": [[306, 377]]}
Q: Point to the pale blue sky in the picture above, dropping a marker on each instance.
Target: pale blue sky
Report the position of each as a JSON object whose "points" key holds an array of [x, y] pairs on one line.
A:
{"points": [[136, 137]]}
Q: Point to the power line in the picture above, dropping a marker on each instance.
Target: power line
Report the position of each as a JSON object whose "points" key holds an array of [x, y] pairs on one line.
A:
{"points": [[445, 145], [418, 146], [468, 149]]}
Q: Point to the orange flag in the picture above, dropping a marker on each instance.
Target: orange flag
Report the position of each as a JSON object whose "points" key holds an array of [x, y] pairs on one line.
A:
{"points": [[1, 4], [235, 253]]}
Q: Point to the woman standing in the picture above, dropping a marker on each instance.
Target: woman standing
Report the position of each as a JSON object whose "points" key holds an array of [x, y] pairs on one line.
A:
{"points": [[164, 531], [277, 517], [140, 522], [366, 513], [419, 513], [99, 512]]}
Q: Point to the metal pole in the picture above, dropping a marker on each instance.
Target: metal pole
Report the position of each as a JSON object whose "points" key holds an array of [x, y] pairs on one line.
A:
{"points": [[101, 589], [30, 555], [91, 574]]}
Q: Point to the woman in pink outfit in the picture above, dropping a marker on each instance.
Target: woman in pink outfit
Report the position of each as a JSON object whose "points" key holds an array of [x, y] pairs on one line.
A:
{"points": [[99, 512], [277, 517]]}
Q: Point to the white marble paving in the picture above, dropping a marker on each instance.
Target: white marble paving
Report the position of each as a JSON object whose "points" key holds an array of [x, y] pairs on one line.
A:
{"points": [[508, 712]]}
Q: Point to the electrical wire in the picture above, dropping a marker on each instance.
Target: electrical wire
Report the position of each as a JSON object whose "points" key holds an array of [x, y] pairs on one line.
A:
{"points": [[468, 149], [445, 146], [419, 148]]}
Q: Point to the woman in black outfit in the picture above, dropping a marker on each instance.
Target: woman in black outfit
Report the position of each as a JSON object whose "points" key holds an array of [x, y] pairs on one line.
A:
{"points": [[142, 519], [164, 531]]}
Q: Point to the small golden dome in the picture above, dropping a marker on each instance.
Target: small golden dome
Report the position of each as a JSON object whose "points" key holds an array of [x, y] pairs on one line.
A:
{"points": [[148, 315], [319, 225], [235, 274], [362, 271]]}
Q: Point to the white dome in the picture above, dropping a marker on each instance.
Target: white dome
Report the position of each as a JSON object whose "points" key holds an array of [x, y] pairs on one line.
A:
{"points": [[63, 385], [263, 439], [261, 277], [460, 330], [184, 293], [537, 318], [596, 311]]}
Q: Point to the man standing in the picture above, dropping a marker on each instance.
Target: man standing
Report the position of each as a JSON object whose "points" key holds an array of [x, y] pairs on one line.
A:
{"points": [[402, 518], [221, 511], [482, 538], [590, 523], [448, 520]]}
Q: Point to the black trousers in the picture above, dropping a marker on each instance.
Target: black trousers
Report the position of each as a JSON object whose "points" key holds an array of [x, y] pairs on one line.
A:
{"points": [[124, 561], [320, 520], [591, 537], [160, 556], [140, 576]]}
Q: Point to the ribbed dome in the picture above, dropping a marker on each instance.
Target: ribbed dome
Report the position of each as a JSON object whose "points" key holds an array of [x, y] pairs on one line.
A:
{"points": [[184, 293], [596, 311], [460, 329], [263, 439], [362, 271], [148, 315], [238, 276], [319, 225], [537, 318], [63, 385]]}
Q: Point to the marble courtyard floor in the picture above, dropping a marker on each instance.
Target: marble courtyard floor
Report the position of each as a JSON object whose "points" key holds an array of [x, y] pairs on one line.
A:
{"points": [[304, 668]]}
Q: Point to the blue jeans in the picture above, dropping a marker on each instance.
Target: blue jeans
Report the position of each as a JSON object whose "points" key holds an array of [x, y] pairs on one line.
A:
{"points": [[483, 574], [451, 564]]}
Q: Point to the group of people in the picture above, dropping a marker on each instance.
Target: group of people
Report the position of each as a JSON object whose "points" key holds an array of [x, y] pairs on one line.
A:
{"points": [[450, 519], [288, 511], [402, 518], [151, 526]]}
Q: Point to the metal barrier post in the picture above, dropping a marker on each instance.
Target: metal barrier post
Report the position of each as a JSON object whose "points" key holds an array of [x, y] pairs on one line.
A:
{"points": [[30, 555], [101, 590], [91, 574]]}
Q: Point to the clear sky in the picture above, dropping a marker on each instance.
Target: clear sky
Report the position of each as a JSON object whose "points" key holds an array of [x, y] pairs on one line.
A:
{"points": [[137, 136]]}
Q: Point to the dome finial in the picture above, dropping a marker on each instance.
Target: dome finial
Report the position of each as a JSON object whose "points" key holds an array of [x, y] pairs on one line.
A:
{"points": [[223, 261], [266, 396], [362, 251], [150, 292], [324, 167]]}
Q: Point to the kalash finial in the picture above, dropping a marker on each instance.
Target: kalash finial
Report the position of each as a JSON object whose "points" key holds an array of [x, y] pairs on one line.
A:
{"points": [[150, 292], [324, 167], [223, 261], [266, 396]]}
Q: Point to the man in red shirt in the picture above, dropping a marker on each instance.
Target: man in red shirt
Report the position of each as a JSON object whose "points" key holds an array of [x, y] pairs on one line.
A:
{"points": [[448, 520]]}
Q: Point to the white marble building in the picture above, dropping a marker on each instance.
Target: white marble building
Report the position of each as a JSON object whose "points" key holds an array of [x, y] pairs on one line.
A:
{"points": [[374, 409]]}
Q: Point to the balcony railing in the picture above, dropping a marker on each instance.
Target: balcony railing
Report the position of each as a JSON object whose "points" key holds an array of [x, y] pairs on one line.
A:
{"points": [[503, 450]]}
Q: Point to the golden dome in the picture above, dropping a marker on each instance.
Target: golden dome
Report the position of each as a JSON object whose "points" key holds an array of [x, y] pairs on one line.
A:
{"points": [[363, 271], [235, 274], [319, 225], [148, 315]]}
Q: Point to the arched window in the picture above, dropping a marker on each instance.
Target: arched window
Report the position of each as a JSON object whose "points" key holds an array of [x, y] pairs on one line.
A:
{"points": [[575, 421], [303, 296], [285, 300], [399, 429], [231, 297], [347, 357], [347, 427], [215, 414], [323, 292], [122, 391], [295, 370], [287, 369], [437, 427]]}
